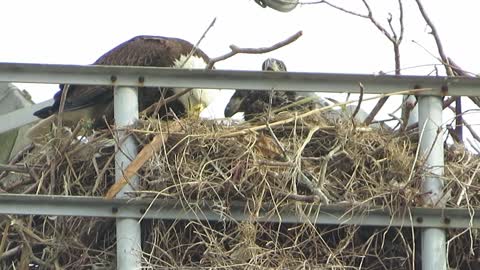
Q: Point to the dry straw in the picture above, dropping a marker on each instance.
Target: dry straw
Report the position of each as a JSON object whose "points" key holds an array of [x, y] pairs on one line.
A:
{"points": [[285, 158]]}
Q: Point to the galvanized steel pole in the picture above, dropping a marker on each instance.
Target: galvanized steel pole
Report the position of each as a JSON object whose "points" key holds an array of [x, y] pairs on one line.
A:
{"points": [[434, 251], [128, 229]]}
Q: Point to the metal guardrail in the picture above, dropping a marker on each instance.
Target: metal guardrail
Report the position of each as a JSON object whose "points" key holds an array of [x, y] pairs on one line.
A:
{"points": [[205, 211], [234, 79], [126, 79]]}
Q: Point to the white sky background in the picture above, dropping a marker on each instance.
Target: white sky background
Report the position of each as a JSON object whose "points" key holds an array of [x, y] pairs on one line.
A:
{"points": [[78, 32]]}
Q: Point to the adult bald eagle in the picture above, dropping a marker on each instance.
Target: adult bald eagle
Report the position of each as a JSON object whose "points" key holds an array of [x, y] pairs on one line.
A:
{"points": [[255, 102], [94, 102]]}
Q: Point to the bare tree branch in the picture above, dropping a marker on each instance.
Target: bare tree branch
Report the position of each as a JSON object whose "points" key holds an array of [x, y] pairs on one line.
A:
{"points": [[400, 20], [435, 36], [13, 168], [396, 41], [472, 131], [63, 98], [360, 99], [448, 69], [200, 40], [335, 7], [236, 50], [461, 72], [392, 37]]}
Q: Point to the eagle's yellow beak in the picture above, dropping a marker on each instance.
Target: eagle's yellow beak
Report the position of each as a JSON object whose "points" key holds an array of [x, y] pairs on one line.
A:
{"points": [[195, 110]]}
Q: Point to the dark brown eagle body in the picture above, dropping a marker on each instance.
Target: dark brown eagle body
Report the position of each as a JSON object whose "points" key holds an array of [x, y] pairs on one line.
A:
{"points": [[97, 101]]}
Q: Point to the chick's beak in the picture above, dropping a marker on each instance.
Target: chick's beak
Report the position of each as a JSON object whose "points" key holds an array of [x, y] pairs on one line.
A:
{"points": [[233, 106]]}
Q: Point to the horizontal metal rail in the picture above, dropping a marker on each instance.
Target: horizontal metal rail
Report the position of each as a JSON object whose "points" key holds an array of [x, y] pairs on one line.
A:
{"points": [[173, 210], [21, 116], [231, 79]]}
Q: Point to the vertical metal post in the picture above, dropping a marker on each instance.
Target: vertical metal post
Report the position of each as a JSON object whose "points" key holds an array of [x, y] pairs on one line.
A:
{"points": [[434, 249], [128, 230]]}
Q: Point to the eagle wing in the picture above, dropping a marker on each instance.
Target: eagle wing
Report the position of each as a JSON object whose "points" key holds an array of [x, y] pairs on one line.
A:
{"points": [[154, 51]]}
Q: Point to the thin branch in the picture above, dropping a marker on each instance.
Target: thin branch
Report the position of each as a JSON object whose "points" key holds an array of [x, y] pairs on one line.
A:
{"points": [[155, 107], [375, 110], [435, 36], [11, 252], [461, 72], [458, 70], [396, 40], [459, 121], [396, 49], [377, 24], [389, 20], [448, 69], [400, 20], [195, 47], [347, 11], [13, 168], [472, 131], [236, 50], [360, 99], [63, 98], [17, 158], [453, 134]]}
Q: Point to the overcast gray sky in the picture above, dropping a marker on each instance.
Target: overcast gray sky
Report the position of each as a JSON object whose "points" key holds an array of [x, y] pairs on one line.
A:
{"points": [[78, 32]]}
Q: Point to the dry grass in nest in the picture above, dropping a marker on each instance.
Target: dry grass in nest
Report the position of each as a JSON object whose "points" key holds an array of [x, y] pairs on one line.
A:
{"points": [[290, 161]]}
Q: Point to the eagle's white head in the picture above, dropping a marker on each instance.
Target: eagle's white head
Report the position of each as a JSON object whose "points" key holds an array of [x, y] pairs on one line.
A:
{"points": [[197, 99]]}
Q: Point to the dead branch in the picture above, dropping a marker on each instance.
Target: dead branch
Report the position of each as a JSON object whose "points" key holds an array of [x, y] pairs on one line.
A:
{"points": [[335, 7], [447, 66], [236, 50], [461, 72], [63, 98], [436, 37], [472, 131], [396, 40], [195, 47], [468, 126], [13, 168], [145, 154], [18, 157], [393, 37], [360, 99], [453, 134]]}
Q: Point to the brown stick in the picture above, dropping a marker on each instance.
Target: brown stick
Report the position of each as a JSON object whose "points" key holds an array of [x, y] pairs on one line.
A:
{"points": [[63, 98], [360, 99], [13, 168], [236, 50], [145, 154], [436, 37]]}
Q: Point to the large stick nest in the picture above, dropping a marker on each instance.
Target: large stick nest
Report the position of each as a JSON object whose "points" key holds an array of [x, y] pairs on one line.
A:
{"points": [[288, 160]]}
